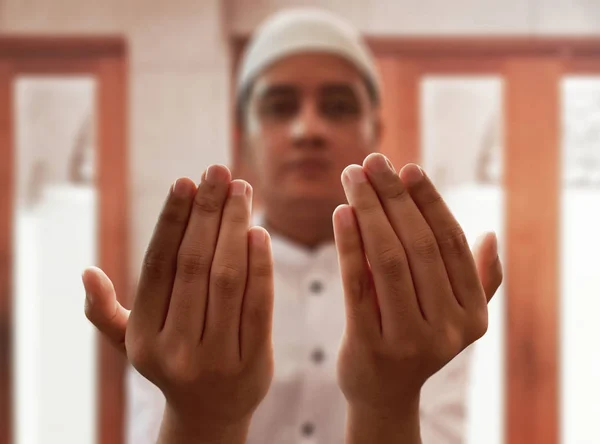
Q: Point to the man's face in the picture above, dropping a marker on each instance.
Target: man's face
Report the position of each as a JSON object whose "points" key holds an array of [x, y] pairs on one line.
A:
{"points": [[309, 116]]}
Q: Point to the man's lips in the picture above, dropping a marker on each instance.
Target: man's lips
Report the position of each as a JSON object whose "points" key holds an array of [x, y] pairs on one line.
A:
{"points": [[309, 165]]}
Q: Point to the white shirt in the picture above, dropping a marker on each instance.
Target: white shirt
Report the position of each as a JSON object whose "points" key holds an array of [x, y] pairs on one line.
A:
{"points": [[304, 404]]}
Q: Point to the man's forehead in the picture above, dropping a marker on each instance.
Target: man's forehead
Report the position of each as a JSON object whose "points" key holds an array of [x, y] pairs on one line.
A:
{"points": [[312, 68], [266, 87], [310, 72]]}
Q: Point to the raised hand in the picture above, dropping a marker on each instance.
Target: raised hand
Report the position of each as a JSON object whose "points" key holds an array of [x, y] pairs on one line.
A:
{"points": [[415, 295], [200, 327]]}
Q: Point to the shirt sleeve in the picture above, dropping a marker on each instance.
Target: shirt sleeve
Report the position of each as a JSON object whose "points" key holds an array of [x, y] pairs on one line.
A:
{"points": [[444, 403], [145, 408]]}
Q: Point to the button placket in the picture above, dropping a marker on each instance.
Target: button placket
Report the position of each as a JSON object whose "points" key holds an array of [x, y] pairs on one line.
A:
{"points": [[315, 289]]}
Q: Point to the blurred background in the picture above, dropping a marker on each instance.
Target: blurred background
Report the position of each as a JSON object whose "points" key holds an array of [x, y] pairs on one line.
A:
{"points": [[104, 103]]}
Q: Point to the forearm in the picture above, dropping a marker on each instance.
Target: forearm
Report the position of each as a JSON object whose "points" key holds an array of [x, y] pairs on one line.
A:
{"points": [[175, 430], [366, 425]]}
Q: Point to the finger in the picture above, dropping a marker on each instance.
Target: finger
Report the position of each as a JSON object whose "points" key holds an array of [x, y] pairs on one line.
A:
{"points": [[362, 311], [229, 270], [451, 239], [102, 307], [489, 267], [257, 307], [158, 268], [385, 253], [424, 258], [187, 307]]}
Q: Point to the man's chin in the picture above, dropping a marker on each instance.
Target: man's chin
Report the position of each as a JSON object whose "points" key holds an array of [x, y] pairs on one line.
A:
{"points": [[315, 200], [313, 189]]}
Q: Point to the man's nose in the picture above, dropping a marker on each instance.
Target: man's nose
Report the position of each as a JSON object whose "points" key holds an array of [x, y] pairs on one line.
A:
{"points": [[309, 127]]}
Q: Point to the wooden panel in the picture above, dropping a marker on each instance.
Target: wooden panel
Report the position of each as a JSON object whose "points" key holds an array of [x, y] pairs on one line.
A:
{"points": [[113, 179], [65, 68], [583, 66], [400, 110], [459, 66], [532, 183], [54, 47], [6, 247], [485, 46]]}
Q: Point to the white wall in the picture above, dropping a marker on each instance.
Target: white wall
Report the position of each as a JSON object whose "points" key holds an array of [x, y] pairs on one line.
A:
{"points": [[55, 360], [408, 17], [49, 117]]}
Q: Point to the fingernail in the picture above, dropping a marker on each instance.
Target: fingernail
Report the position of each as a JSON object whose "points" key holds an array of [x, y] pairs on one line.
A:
{"points": [[213, 174], [412, 174], [88, 295], [209, 175], [380, 164], [257, 237], [249, 196], [345, 215], [181, 188], [238, 188], [478, 242], [355, 174], [391, 167]]}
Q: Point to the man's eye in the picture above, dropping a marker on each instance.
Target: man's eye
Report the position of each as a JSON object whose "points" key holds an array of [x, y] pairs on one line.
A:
{"points": [[279, 108], [339, 108]]}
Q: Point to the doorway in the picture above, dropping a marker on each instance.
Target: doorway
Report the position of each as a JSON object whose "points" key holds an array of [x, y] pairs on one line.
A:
{"points": [[63, 205]]}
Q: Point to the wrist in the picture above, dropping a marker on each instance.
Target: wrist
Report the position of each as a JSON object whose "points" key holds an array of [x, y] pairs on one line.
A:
{"points": [[189, 429], [399, 424]]}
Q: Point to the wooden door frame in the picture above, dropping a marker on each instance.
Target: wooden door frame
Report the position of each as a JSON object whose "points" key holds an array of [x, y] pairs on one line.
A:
{"points": [[106, 59], [532, 367]]}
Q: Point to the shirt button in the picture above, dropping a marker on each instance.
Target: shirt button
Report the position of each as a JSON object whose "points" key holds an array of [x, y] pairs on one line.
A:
{"points": [[318, 355], [308, 429], [316, 287]]}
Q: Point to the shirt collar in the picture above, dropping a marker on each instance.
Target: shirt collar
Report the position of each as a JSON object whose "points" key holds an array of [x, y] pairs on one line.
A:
{"points": [[288, 252]]}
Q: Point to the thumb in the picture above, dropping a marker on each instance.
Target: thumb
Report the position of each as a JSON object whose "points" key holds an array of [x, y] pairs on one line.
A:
{"points": [[488, 263], [102, 307]]}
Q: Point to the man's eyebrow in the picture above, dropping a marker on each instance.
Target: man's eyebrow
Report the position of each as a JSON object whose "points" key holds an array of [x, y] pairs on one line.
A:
{"points": [[277, 90], [338, 88]]}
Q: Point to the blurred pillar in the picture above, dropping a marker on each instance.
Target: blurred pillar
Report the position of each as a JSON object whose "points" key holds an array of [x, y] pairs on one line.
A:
{"points": [[532, 272]]}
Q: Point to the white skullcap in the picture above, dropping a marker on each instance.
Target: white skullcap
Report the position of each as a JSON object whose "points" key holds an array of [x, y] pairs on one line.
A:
{"points": [[304, 30]]}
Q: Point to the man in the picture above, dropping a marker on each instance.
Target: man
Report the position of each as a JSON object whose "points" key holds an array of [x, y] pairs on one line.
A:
{"points": [[308, 96]]}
